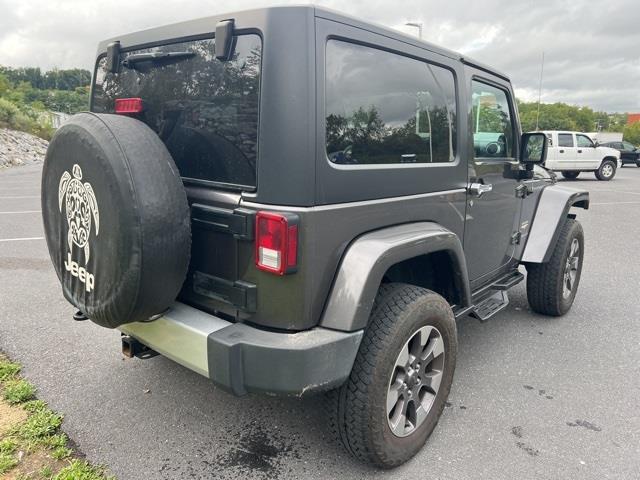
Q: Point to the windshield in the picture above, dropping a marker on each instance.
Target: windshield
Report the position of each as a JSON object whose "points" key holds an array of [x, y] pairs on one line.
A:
{"points": [[203, 109]]}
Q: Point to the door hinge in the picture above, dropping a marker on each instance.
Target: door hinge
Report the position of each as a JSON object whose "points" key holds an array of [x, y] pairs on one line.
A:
{"points": [[239, 222], [515, 238], [522, 190], [240, 294]]}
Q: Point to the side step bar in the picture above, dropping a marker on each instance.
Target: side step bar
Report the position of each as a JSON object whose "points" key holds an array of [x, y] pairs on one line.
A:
{"points": [[494, 297], [508, 281], [491, 305]]}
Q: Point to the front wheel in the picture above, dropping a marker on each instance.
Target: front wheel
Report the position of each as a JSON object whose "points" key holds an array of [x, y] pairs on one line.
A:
{"points": [[401, 377], [606, 171], [552, 286], [570, 175]]}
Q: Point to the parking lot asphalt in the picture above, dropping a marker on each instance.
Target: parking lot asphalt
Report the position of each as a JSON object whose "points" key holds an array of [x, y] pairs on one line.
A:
{"points": [[533, 397]]}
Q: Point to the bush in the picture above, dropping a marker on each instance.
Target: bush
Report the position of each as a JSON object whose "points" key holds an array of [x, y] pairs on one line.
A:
{"points": [[7, 462], [35, 406], [79, 470], [8, 112], [40, 425], [7, 446], [8, 370], [25, 119], [18, 391], [632, 133], [7, 459]]}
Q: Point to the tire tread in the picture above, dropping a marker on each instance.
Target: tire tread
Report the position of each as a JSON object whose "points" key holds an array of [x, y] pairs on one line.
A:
{"points": [[346, 406], [544, 288]]}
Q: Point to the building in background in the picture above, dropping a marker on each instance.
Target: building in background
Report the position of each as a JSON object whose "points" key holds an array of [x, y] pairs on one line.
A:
{"points": [[633, 118]]}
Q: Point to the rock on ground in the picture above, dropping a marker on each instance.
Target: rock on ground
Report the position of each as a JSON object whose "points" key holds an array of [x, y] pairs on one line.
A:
{"points": [[20, 148]]}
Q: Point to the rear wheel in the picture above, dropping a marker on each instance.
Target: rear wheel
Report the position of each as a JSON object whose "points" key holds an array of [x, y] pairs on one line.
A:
{"points": [[552, 286], [638, 164], [606, 171], [570, 175], [400, 380]]}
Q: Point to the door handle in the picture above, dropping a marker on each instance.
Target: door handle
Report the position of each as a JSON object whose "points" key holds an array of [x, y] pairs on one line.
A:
{"points": [[561, 151], [478, 189], [579, 151]]}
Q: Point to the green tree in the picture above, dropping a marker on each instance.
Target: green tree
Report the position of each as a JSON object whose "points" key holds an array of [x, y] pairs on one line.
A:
{"points": [[4, 84], [55, 79], [560, 116], [632, 133]]}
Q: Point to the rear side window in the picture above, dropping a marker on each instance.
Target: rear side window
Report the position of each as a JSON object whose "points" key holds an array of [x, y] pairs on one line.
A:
{"points": [[493, 127], [384, 108], [204, 110], [565, 140]]}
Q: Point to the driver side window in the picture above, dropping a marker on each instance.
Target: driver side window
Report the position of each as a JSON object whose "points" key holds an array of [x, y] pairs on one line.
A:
{"points": [[584, 141], [493, 128]]}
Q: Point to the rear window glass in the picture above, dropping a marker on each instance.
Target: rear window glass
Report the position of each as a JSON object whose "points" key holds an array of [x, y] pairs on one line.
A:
{"points": [[383, 108], [565, 140], [203, 109]]}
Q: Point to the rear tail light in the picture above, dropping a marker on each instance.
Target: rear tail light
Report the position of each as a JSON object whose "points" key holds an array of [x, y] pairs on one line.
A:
{"points": [[128, 106], [277, 242]]}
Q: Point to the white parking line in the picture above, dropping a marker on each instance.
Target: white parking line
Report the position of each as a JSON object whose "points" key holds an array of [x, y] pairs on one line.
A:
{"points": [[28, 184], [22, 196], [23, 211], [615, 203], [20, 239], [23, 190], [618, 191]]}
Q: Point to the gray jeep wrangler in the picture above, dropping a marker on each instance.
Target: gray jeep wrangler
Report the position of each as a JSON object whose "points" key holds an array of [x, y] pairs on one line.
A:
{"points": [[289, 200]]}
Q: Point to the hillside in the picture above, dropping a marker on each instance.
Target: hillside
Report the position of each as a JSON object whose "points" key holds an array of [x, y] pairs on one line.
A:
{"points": [[27, 95], [20, 148]]}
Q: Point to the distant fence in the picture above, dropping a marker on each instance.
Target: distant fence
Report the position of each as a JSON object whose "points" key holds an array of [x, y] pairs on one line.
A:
{"points": [[56, 119]]}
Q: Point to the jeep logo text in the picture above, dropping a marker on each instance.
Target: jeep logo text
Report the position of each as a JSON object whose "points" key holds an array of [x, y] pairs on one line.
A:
{"points": [[80, 273]]}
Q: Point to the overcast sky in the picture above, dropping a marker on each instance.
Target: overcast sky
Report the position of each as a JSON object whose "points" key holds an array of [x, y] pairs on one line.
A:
{"points": [[592, 49]]}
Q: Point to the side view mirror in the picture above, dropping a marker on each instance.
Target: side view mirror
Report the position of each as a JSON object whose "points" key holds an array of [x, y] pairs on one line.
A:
{"points": [[533, 148], [224, 40]]}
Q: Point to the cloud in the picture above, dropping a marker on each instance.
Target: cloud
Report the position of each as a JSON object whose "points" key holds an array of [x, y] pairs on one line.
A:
{"points": [[591, 49]]}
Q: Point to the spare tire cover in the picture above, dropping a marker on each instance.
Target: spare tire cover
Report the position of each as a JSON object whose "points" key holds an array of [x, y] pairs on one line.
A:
{"points": [[116, 218]]}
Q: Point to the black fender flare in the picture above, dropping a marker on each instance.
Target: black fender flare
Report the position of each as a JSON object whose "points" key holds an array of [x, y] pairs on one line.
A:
{"points": [[369, 257], [551, 214]]}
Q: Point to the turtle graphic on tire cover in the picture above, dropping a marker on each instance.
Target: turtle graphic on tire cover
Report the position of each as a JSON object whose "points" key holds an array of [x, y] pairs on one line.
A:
{"points": [[80, 206]]}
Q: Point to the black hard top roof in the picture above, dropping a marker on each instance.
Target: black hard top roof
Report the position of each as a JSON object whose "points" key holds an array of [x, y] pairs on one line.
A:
{"points": [[251, 18]]}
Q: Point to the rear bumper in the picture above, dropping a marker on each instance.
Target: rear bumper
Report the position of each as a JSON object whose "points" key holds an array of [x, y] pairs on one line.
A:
{"points": [[243, 359]]}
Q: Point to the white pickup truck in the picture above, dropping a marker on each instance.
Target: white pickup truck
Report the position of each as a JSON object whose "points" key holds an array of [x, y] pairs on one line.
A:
{"points": [[575, 152]]}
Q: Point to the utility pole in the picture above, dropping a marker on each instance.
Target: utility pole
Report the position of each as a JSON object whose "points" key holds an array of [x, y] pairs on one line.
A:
{"points": [[540, 90], [418, 25]]}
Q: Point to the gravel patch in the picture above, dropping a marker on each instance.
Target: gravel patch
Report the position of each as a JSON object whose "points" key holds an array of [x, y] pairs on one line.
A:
{"points": [[20, 148]]}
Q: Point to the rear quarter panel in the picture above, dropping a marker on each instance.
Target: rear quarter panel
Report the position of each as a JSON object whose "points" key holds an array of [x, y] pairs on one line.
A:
{"points": [[352, 201]]}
